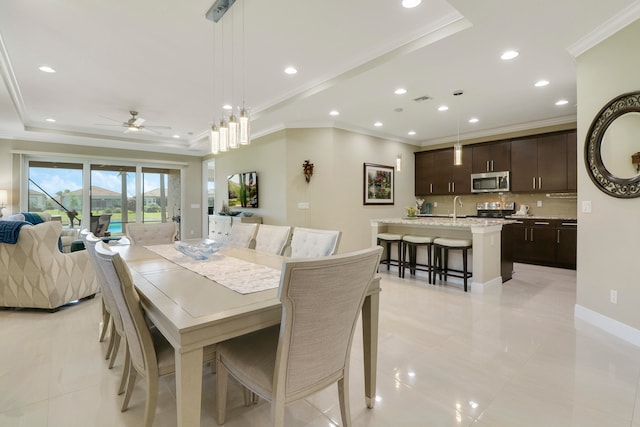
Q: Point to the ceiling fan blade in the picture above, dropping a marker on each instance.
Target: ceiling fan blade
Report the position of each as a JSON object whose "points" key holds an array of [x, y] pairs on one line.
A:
{"points": [[158, 127], [146, 129], [109, 118], [138, 122], [105, 124]]}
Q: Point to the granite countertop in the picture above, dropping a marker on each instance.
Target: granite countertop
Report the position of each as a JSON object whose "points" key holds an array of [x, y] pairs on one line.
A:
{"points": [[564, 218], [445, 222]]}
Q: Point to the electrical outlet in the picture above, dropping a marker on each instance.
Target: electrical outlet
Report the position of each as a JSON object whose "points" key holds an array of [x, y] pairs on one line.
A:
{"points": [[435, 204], [539, 204], [613, 296], [586, 206], [303, 205]]}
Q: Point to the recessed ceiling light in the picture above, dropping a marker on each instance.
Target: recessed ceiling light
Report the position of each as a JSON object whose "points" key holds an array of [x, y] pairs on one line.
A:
{"points": [[400, 91], [411, 3], [443, 108], [473, 120], [541, 83], [176, 136], [227, 107], [411, 132], [334, 113], [46, 69], [290, 70], [510, 54], [50, 120], [377, 124], [562, 102]]}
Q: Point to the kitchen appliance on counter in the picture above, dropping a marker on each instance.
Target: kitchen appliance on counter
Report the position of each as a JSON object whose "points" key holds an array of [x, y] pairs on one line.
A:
{"points": [[495, 209], [489, 182]]}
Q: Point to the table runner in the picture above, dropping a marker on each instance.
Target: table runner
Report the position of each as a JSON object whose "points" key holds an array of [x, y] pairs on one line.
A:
{"points": [[241, 276]]}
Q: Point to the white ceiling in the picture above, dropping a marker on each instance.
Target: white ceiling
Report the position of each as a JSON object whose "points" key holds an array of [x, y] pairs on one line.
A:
{"points": [[157, 57]]}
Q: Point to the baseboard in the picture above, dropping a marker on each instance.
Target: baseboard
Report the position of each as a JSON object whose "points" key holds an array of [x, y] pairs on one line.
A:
{"points": [[607, 324]]}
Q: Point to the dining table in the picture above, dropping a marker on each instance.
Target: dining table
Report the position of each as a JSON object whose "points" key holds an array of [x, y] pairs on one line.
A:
{"points": [[192, 310]]}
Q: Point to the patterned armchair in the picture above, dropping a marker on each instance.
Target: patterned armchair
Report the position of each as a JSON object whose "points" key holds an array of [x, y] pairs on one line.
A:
{"points": [[34, 273]]}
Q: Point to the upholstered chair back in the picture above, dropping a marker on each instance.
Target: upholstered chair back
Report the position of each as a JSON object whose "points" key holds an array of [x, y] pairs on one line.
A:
{"points": [[34, 273], [152, 234], [272, 238], [311, 243], [118, 278], [242, 235]]}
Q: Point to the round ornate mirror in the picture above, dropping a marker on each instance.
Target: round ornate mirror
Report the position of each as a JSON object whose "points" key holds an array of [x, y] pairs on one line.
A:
{"points": [[612, 148]]}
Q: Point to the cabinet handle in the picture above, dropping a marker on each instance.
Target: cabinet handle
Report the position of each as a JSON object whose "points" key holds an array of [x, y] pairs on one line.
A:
{"points": [[430, 188], [534, 182], [532, 234], [448, 187], [453, 185], [539, 183], [488, 166], [570, 223], [541, 223], [558, 238], [525, 235], [492, 169]]}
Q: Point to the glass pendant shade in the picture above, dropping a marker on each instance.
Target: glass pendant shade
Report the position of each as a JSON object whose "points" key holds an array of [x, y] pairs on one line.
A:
{"points": [[215, 139], [244, 128], [224, 136], [233, 132], [457, 154]]}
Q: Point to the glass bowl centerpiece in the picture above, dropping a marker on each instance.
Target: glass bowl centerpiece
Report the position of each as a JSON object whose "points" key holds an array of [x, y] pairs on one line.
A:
{"points": [[199, 250]]}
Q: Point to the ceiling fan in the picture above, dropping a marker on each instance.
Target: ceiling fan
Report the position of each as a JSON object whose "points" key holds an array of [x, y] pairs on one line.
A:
{"points": [[134, 124]]}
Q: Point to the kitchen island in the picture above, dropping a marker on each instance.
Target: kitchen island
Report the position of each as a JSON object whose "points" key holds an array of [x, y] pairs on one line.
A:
{"points": [[490, 263]]}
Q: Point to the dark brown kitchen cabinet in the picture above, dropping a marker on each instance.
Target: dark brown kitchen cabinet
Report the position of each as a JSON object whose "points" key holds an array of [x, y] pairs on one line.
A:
{"points": [[491, 157], [567, 244], [539, 164], [534, 242], [572, 161], [424, 173], [547, 242], [449, 178]]}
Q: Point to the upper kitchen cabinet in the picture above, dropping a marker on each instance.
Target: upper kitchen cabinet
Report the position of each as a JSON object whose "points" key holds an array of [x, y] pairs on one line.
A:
{"points": [[424, 173], [436, 173], [492, 157], [449, 178], [539, 164], [572, 161]]}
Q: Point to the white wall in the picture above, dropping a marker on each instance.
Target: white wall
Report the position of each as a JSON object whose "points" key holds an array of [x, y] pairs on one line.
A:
{"points": [[609, 237], [335, 192]]}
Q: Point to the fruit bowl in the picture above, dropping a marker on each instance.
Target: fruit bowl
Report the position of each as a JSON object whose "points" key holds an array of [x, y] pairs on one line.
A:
{"points": [[199, 251]]}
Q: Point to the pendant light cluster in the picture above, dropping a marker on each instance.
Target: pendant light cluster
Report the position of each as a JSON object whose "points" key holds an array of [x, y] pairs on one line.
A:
{"points": [[230, 134]]}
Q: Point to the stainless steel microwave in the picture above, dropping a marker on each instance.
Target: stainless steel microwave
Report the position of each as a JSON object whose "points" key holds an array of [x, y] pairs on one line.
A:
{"points": [[490, 182]]}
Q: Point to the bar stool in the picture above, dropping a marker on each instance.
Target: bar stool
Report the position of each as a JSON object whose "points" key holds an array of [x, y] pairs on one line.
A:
{"points": [[441, 247], [412, 243], [389, 239]]}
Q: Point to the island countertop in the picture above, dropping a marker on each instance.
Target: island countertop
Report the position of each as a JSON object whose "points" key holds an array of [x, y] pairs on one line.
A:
{"points": [[445, 222]]}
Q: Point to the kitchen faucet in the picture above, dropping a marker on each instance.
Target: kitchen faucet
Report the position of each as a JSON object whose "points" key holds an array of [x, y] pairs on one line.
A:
{"points": [[459, 200]]}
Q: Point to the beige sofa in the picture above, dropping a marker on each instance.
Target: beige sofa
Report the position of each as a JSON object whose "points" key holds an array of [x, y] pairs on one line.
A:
{"points": [[67, 235], [34, 273]]}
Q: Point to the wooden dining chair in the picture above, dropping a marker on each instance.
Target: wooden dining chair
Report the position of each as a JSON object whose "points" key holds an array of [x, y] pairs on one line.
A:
{"points": [[117, 334], [150, 353], [321, 301], [312, 243], [272, 238]]}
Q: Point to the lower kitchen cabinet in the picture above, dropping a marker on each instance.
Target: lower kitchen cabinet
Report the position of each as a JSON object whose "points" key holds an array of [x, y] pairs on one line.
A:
{"points": [[548, 242]]}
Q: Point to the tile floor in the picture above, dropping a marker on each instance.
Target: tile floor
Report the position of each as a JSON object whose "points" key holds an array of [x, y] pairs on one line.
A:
{"points": [[514, 357]]}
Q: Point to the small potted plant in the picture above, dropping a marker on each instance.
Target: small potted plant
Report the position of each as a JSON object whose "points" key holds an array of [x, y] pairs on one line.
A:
{"points": [[412, 211]]}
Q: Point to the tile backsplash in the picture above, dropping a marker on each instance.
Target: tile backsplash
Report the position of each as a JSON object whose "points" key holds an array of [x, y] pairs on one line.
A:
{"points": [[553, 204]]}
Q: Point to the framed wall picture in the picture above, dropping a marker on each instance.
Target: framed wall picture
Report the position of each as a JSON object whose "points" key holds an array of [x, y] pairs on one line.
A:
{"points": [[378, 184]]}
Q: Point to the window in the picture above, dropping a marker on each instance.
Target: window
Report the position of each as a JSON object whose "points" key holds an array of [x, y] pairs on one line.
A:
{"points": [[126, 192]]}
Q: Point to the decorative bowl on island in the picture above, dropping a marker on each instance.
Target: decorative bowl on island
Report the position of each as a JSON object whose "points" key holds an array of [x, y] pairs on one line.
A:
{"points": [[200, 250]]}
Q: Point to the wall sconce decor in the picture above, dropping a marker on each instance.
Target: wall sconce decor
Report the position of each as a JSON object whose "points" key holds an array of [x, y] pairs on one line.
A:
{"points": [[399, 162], [635, 159], [308, 170]]}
